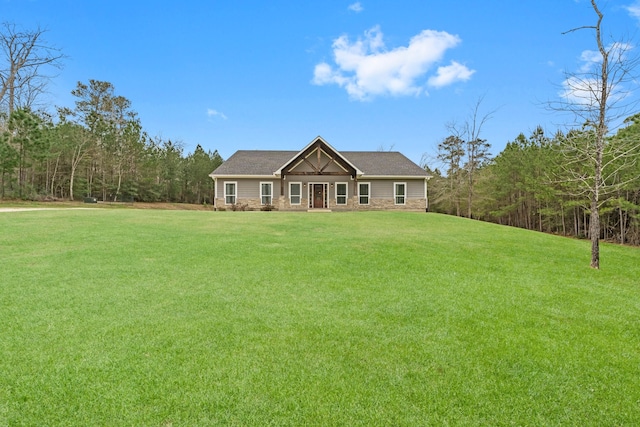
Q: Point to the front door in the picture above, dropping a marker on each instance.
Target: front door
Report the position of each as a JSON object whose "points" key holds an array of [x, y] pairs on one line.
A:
{"points": [[318, 196]]}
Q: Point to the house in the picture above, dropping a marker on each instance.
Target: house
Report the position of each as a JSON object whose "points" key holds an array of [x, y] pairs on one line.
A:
{"points": [[319, 177]]}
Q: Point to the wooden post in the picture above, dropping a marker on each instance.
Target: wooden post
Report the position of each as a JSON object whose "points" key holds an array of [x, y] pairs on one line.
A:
{"points": [[282, 178]]}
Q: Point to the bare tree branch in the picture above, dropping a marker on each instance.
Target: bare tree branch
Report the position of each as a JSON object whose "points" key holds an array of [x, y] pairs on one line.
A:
{"points": [[584, 27], [598, 95], [25, 54]]}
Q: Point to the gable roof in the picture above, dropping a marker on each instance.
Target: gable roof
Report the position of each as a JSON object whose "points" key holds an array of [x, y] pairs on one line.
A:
{"points": [[269, 163], [320, 144]]}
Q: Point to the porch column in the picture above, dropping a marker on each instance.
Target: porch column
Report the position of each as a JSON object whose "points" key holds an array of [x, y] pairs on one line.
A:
{"points": [[282, 178], [354, 193]]}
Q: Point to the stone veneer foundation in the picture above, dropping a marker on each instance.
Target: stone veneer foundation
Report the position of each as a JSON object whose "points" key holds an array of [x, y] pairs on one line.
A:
{"points": [[282, 204]]}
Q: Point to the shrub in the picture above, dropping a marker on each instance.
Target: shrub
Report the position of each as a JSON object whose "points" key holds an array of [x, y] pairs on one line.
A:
{"points": [[239, 207]]}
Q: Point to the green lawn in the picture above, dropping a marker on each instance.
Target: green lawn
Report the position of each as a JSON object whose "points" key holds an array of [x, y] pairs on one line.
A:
{"points": [[118, 317]]}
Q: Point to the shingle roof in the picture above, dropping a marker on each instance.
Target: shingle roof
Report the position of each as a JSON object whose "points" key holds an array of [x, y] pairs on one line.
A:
{"points": [[383, 163], [371, 163], [254, 162]]}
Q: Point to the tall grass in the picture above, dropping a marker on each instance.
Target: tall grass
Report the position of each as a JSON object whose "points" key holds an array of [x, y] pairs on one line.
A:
{"points": [[157, 318]]}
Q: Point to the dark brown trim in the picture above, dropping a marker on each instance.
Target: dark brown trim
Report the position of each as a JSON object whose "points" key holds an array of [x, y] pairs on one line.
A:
{"points": [[319, 169], [318, 174]]}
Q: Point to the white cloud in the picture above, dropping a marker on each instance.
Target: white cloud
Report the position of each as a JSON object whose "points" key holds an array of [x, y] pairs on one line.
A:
{"points": [[450, 74], [214, 113], [590, 56], [617, 52], [365, 68], [356, 7], [586, 91], [585, 86], [634, 9], [581, 91]]}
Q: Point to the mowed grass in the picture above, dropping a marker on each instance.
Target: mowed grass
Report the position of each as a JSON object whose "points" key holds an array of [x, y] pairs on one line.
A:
{"points": [[181, 318]]}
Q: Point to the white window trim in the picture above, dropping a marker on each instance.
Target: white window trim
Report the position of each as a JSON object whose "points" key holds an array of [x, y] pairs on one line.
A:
{"points": [[395, 196], [346, 194], [265, 195], [300, 195], [368, 184], [235, 194]]}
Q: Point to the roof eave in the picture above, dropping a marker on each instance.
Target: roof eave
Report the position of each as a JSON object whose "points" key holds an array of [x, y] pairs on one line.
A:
{"points": [[364, 176], [216, 176]]}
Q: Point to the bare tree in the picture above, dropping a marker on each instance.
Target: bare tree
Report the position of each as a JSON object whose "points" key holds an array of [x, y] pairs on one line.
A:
{"points": [[598, 97], [476, 149], [22, 75]]}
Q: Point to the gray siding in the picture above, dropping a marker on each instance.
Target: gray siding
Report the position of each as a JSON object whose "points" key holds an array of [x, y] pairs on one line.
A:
{"points": [[383, 188], [247, 188], [381, 191]]}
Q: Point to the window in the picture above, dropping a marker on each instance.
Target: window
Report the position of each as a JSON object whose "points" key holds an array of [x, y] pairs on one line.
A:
{"points": [[363, 193], [266, 193], [295, 193], [400, 192], [230, 189], [341, 193]]}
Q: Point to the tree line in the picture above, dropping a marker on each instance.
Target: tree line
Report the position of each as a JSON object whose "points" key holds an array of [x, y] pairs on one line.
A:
{"points": [[541, 182], [97, 149]]}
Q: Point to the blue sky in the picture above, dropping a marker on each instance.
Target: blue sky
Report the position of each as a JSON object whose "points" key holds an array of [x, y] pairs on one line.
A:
{"points": [[364, 75]]}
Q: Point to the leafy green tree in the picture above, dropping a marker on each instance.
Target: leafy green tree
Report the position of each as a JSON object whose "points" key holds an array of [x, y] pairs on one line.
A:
{"points": [[74, 143], [505, 182], [450, 153], [623, 177], [172, 165], [477, 155], [8, 160], [116, 129], [520, 186], [24, 136]]}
